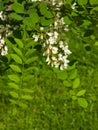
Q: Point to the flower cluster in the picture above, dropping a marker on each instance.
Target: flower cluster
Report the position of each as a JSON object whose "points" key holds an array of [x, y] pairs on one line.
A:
{"points": [[55, 46], [3, 47], [2, 16], [4, 32], [52, 2]]}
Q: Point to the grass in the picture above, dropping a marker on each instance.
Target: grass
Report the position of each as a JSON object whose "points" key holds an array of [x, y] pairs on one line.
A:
{"points": [[51, 108]]}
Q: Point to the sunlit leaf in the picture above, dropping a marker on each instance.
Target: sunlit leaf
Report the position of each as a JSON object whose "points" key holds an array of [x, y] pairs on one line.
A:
{"points": [[76, 83], [93, 2], [26, 97], [18, 51], [15, 68], [16, 58], [67, 83], [82, 2], [14, 94], [82, 102], [81, 93], [19, 42], [14, 78], [13, 85], [17, 7], [16, 16]]}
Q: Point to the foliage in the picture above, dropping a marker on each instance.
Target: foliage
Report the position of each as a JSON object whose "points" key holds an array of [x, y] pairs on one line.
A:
{"points": [[34, 95]]}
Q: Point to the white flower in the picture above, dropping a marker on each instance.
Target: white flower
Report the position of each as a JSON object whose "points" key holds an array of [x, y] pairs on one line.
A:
{"points": [[4, 51], [66, 50], [56, 34], [48, 51], [62, 21], [2, 41], [52, 40], [74, 5], [54, 58], [60, 57], [49, 34], [55, 23], [1, 16], [42, 36], [41, 28], [61, 67], [61, 44], [33, 0], [56, 65], [48, 60], [35, 37], [60, 3], [54, 50], [66, 28]]}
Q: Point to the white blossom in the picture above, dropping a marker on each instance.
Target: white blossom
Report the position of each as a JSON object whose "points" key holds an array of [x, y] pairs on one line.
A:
{"points": [[52, 40], [48, 59], [54, 58], [74, 5], [41, 28], [54, 50], [36, 37], [4, 51]]}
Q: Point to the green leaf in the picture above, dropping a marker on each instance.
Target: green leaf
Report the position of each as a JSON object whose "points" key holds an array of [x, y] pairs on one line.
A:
{"points": [[96, 43], [86, 23], [16, 16], [19, 42], [15, 68], [13, 101], [13, 85], [48, 14], [31, 60], [76, 83], [27, 90], [30, 69], [29, 23], [82, 2], [45, 22], [16, 58], [17, 7], [14, 94], [30, 44], [73, 74], [69, 2], [28, 77], [81, 93], [72, 92], [93, 2], [74, 97], [62, 75], [34, 17], [22, 105], [67, 83], [18, 51], [67, 20], [26, 97], [14, 78], [9, 44], [30, 52], [82, 102], [43, 8], [31, 20]]}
